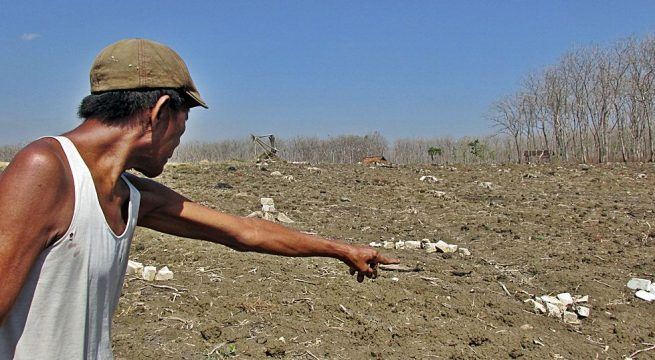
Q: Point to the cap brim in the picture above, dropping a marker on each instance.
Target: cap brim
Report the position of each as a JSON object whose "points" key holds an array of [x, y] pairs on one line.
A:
{"points": [[195, 96]]}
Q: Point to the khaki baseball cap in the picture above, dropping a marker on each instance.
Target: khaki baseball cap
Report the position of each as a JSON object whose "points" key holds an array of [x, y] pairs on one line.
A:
{"points": [[142, 64]]}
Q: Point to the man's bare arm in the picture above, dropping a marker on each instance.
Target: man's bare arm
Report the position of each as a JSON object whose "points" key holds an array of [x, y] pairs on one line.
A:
{"points": [[165, 210], [33, 194]]}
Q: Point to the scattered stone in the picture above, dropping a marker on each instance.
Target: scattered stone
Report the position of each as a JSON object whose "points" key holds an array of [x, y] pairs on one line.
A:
{"points": [[486, 185], [429, 179], [645, 295], [375, 244], [268, 216], [565, 298], [465, 251], [394, 279], [537, 306], [288, 178], [445, 247], [399, 245], [281, 217], [399, 268], [641, 176], [547, 299], [412, 244], [639, 284], [276, 173], [313, 169], [267, 205], [571, 318], [164, 274], [149, 273], [231, 168], [344, 199], [430, 247], [389, 245], [527, 327], [257, 214], [553, 310], [584, 167], [582, 311], [439, 194], [580, 299], [134, 267], [529, 176]]}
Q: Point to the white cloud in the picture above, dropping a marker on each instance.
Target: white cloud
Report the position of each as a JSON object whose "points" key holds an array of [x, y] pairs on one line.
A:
{"points": [[29, 36]]}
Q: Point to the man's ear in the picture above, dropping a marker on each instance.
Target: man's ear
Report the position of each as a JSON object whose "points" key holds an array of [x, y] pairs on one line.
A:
{"points": [[157, 112]]}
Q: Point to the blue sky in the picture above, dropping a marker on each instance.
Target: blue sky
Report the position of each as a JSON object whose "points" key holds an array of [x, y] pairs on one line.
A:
{"points": [[404, 68]]}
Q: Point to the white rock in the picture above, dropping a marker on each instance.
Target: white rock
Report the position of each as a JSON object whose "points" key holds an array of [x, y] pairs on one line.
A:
{"points": [[581, 299], [430, 247], [314, 169], [149, 273], [639, 284], [254, 214], [439, 194], [445, 247], [645, 295], [565, 298], [429, 179], [582, 311], [571, 318], [268, 216], [268, 208], [164, 274], [388, 245], [641, 176], [399, 245], [465, 251], [267, 201], [288, 178], [276, 173], [553, 301], [412, 244], [281, 217], [553, 310], [486, 185], [537, 306], [134, 267], [375, 244], [394, 279]]}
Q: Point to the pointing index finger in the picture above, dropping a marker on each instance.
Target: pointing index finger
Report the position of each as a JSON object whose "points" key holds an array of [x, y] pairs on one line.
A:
{"points": [[381, 259]]}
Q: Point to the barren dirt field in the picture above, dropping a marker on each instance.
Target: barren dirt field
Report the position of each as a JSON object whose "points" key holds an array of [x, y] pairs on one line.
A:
{"points": [[538, 230]]}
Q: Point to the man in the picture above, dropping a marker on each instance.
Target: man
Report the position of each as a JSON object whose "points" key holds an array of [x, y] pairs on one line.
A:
{"points": [[68, 209]]}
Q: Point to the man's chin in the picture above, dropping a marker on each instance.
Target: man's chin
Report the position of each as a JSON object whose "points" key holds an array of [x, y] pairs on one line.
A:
{"points": [[151, 172]]}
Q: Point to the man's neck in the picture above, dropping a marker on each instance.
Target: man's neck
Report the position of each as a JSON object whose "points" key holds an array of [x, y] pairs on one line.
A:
{"points": [[106, 150]]}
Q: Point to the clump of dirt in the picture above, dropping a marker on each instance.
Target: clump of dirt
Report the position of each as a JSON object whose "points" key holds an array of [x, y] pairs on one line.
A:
{"points": [[557, 229]]}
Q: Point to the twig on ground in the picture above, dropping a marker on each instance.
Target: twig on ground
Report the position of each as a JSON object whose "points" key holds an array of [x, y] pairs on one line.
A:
{"points": [[649, 348], [505, 288], [600, 282], [312, 355], [305, 281]]}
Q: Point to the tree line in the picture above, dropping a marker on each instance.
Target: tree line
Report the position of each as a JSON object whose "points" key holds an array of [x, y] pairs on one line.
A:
{"points": [[594, 105]]}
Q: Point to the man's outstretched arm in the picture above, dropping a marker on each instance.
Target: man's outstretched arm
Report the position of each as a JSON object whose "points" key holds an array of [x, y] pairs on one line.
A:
{"points": [[164, 210]]}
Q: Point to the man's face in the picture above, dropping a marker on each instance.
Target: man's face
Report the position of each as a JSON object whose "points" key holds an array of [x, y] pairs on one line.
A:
{"points": [[165, 139]]}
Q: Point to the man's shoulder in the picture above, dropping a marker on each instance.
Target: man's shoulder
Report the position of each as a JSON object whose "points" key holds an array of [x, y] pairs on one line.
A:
{"points": [[41, 158]]}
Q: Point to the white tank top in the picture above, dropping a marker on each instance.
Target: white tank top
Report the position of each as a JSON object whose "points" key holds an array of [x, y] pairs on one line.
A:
{"points": [[65, 307]]}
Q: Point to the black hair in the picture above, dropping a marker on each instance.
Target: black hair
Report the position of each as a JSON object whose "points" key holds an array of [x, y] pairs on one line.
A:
{"points": [[117, 107]]}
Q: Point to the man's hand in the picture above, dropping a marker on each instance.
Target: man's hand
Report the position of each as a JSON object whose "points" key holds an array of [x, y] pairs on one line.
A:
{"points": [[364, 260]]}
